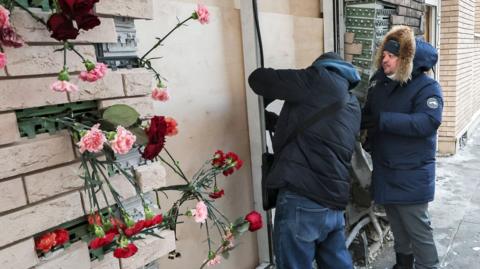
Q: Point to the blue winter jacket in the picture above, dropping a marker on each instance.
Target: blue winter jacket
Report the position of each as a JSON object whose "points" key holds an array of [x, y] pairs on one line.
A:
{"points": [[316, 163], [404, 143]]}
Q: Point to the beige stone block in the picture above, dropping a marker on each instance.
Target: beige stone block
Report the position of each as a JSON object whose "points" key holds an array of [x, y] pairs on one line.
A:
{"points": [[121, 185], [40, 217], [151, 176], [349, 37], [141, 9], [8, 128], [36, 60], [150, 249], [74, 257], [447, 147], [144, 105], [35, 32], [355, 48], [12, 194], [32, 154], [108, 262], [52, 182], [29, 92], [348, 57], [137, 82], [108, 87], [19, 256]]}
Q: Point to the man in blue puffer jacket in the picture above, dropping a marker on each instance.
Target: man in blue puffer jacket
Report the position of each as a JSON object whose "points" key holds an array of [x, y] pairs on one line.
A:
{"points": [[312, 171], [402, 115]]}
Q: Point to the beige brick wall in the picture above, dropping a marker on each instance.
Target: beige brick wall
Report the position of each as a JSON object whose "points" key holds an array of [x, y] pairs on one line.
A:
{"points": [[8, 128], [40, 187], [459, 66], [19, 256]]}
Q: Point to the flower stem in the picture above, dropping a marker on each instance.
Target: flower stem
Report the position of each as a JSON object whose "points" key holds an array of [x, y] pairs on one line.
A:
{"points": [[72, 48], [163, 38]]}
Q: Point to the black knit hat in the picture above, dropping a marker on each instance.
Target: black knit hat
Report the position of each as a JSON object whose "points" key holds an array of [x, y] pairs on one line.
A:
{"points": [[392, 46]]}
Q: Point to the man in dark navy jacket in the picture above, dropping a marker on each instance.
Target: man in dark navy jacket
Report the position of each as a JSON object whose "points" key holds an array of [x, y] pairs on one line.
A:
{"points": [[402, 115], [312, 170]]}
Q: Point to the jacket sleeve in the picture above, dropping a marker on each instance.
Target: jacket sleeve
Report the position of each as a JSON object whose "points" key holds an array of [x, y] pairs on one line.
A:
{"points": [[288, 85], [423, 121]]}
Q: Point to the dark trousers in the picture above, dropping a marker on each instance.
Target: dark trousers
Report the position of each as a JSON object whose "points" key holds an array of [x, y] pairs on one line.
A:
{"points": [[305, 231], [413, 233]]}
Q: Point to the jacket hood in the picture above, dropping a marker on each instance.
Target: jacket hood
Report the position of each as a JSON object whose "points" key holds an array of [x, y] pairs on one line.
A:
{"points": [[342, 68], [426, 56], [405, 36]]}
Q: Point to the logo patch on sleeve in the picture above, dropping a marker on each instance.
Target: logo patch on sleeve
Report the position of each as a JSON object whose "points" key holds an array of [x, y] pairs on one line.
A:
{"points": [[432, 103]]}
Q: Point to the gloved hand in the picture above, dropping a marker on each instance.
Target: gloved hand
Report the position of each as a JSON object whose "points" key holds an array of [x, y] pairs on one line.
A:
{"points": [[369, 122], [270, 121]]}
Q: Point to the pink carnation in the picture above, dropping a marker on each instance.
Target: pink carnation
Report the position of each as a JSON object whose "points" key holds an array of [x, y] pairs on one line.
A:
{"points": [[3, 60], [4, 19], [202, 14], [201, 212], [160, 94], [172, 126], [123, 141], [93, 140], [63, 86], [214, 261], [95, 74]]}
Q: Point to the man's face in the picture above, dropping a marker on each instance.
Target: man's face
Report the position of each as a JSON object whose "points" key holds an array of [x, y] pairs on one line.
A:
{"points": [[389, 63]]}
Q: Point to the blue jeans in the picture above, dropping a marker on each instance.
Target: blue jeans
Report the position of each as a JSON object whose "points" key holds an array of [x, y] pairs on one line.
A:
{"points": [[305, 231]]}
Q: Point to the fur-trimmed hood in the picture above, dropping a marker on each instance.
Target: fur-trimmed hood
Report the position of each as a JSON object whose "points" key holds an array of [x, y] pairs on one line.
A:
{"points": [[405, 36]]}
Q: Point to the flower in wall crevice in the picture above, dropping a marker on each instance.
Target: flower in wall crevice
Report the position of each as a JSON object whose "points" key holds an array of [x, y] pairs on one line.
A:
{"points": [[49, 240]]}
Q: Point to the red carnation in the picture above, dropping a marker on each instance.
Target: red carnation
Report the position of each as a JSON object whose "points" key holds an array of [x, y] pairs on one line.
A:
{"points": [[154, 221], [218, 158], [255, 220], [156, 137], [87, 21], [135, 229], [45, 242], [9, 38], [61, 236], [61, 27], [99, 242], [217, 194], [125, 252], [76, 7], [232, 162]]}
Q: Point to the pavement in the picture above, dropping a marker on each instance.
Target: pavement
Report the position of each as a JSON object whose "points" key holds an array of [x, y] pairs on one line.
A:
{"points": [[455, 212]]}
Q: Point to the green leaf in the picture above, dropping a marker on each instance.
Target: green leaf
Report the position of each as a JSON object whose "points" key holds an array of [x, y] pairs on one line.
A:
{"points": [[120, 114], [142, 138]]}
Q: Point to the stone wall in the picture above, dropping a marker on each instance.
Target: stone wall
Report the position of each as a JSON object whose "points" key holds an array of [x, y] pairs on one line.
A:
{"points": [[39, 184]]}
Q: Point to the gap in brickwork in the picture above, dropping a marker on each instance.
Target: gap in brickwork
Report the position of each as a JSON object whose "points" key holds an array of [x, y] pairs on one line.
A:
{"points": [[34, 121]]}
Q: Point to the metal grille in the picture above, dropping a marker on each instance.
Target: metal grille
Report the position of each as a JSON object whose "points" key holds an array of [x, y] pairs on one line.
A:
{"points": [[369, 21], [122, 54], [31, 122]]}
